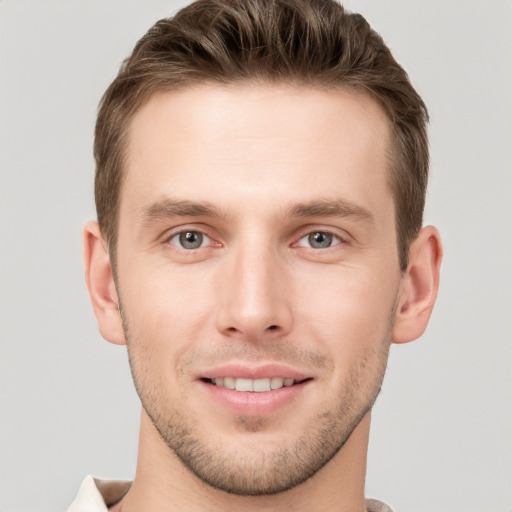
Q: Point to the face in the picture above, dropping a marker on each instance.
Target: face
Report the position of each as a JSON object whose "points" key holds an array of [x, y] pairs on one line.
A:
{"points": [[257, 276]]}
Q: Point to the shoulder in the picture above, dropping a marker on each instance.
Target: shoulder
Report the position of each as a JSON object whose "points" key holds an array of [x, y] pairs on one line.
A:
{"points": [[96, 495], [377, 506]]}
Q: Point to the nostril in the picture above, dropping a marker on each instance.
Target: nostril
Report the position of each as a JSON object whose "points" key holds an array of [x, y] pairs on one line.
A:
{"points": [[272, 328]]}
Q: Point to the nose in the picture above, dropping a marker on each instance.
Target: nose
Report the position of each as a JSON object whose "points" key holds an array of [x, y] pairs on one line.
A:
{"points": [[254, 295]]}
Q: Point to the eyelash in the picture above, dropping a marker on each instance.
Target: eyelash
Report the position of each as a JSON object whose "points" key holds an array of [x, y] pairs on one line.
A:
{"points": [[332, 239], [183, 233]]}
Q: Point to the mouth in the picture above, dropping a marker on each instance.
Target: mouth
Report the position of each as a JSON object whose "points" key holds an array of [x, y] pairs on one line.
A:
{"points": [[254, 390], [254, 385]]}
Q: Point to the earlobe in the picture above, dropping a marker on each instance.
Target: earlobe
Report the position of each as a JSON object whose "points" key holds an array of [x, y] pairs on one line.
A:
{"points": [[101, 286], [419, 286]]}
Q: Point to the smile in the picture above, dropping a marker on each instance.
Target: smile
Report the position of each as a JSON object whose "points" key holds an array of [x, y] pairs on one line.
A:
{"points": [[253, 385], [254, 391]]}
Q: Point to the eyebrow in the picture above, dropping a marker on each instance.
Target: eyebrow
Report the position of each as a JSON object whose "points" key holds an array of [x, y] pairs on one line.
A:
{"points": [[168, 208], [331, 208]]}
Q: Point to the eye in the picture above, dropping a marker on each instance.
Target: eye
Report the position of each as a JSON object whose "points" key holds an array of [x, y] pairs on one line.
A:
{"points": [[190, 240], [319, 240]]}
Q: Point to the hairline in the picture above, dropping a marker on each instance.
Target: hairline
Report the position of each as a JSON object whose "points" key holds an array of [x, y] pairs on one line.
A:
{"points": [[147, 94]]}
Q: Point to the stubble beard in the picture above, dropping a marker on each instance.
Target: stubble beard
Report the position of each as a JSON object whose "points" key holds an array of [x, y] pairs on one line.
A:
{"points": [[228, 469]]}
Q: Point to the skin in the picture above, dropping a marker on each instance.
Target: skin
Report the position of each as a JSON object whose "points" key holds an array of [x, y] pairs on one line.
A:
{"points": [[256, 170]]}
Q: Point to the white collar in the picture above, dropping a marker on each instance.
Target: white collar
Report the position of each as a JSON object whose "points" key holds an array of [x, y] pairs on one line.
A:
{"points": [[96, 495]]}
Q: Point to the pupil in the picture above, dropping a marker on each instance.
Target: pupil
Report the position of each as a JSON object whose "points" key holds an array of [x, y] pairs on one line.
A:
{"points": [[320, 240], [191, 240]]}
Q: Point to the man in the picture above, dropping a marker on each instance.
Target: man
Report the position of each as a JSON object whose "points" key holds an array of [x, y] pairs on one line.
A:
{"points": [[260, 183]]}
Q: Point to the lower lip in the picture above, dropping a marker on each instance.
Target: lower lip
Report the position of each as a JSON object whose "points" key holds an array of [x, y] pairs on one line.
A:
{"points": [[253, 403]]}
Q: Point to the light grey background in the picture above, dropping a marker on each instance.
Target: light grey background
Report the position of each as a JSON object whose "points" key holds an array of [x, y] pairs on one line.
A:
{"points": [[442, 429]]}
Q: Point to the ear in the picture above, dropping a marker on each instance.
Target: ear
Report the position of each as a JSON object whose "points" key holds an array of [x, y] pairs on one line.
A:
{"points": [[101, 286], [418, 289]]}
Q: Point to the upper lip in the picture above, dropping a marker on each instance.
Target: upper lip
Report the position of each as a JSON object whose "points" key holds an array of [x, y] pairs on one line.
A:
{"points": [[244, 371]]}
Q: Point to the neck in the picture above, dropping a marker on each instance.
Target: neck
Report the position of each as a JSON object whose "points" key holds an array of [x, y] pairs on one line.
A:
{"points": [[162, 483]]}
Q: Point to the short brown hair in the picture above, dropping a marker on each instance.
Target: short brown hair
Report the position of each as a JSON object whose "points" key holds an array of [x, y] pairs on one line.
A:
{"points": [[315, 43]]}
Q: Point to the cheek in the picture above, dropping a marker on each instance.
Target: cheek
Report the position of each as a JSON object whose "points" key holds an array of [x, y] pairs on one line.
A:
{"points": [[165, 310], [348, 309]]}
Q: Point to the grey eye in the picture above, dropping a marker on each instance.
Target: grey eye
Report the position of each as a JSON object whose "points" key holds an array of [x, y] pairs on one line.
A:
{"points": [[189, 240], [320, 240]]}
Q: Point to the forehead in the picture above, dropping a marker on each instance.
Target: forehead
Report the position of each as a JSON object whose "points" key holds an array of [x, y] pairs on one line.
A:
{"points": [[296, 142]]}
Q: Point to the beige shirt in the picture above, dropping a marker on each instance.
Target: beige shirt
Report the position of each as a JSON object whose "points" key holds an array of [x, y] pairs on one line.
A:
{"points": [[97, 495]]}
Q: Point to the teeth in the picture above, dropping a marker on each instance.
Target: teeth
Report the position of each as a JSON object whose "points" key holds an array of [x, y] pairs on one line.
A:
{"points": [[261, 385], [257, 386], [276, 382], [244, 385], [229, 382]]}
